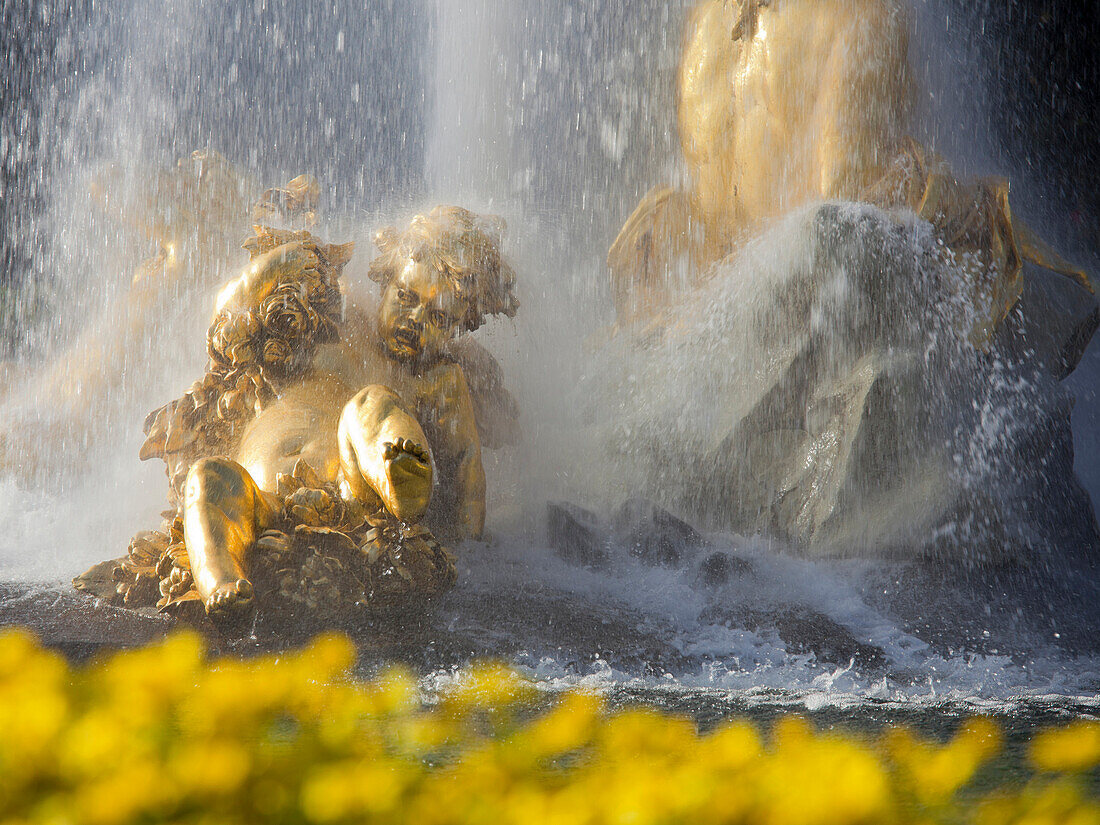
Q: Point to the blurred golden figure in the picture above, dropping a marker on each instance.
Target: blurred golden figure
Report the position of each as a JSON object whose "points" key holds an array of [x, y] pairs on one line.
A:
{"points": [[783, 103], [185, 224], [779, 104], [800, 378], [322, 443]]}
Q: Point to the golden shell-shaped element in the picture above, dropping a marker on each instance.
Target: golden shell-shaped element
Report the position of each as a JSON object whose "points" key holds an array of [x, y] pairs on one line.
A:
{"points": [[294, 203], [268, 326], [141, 590], [146, 547], [175, 587], [329, 555], [311, 507], [273, 542], [404, 562]]}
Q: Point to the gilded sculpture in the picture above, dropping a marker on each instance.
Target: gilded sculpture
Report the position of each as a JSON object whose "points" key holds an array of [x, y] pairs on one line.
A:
{"points": [[330, 451], [327, 446], [817, 411], [784, 104]]}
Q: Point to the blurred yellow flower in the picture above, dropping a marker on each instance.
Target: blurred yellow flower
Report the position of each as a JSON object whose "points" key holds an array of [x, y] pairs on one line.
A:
{"points": [[734, 745], [1075, 747], [163, 734], [568, 726], [489, 685]]}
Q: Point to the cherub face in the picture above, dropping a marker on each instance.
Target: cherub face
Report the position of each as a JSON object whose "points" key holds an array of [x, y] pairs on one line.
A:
{"points": [[419, 313]]}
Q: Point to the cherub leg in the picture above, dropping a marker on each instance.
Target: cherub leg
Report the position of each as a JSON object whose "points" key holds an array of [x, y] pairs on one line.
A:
{"points": [[384, 453], [223, 512]]}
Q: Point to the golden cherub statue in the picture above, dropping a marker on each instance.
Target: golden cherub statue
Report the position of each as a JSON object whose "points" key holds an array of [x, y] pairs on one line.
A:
{"points": [[325, 444]]}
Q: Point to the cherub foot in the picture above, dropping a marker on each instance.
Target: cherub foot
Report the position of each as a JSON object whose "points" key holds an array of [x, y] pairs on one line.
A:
{"points": [[232, 599], [410, 472]]}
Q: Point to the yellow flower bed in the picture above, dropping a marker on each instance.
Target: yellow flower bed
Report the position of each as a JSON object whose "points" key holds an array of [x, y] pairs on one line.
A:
{"points": [[163, 735]]}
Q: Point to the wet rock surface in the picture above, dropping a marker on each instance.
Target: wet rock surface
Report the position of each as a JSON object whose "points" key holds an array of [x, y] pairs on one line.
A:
{"points": [[805, 631], [653, 534], [720, 567], [649, 533], [588, 597], [1010, 609], [459, 627], [76, 625], [577, 535]]}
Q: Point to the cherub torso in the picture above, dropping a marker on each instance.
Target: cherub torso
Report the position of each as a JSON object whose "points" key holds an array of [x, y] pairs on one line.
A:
{"points": [[302, 424], [803, 106]]}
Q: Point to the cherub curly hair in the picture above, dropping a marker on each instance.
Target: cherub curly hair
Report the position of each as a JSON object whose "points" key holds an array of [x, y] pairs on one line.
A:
{"points": [[463, 246]]}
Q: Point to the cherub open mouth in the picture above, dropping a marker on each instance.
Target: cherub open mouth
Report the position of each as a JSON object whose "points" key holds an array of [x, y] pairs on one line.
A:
{"points": [[407, 337]]}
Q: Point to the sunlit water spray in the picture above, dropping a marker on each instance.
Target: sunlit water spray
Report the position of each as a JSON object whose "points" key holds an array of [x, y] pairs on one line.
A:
{"points": [[633, 424], [558, 122]]}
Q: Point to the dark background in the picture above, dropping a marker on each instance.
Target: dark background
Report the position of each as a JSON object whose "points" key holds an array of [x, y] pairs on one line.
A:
{"points": [[1043, 59]]}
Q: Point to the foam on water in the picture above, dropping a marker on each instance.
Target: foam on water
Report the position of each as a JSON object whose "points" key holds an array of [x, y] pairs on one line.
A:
{"points": [[657, 610]]}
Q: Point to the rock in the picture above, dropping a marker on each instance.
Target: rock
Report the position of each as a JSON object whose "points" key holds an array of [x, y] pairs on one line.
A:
{"points": [[803, 631], [577, 535], [653, 534], [554, 622], [1051, 501], [76, 625], [719, 567], [806, 631], [1021, 610], [1055, 321]]}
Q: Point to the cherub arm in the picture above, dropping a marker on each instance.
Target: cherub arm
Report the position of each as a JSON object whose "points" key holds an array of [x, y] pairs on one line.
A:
{"points": [[448, 411], [495, 409]]}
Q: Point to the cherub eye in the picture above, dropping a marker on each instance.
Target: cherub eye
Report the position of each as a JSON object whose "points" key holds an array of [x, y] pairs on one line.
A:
{"points": [[405, 296]]}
